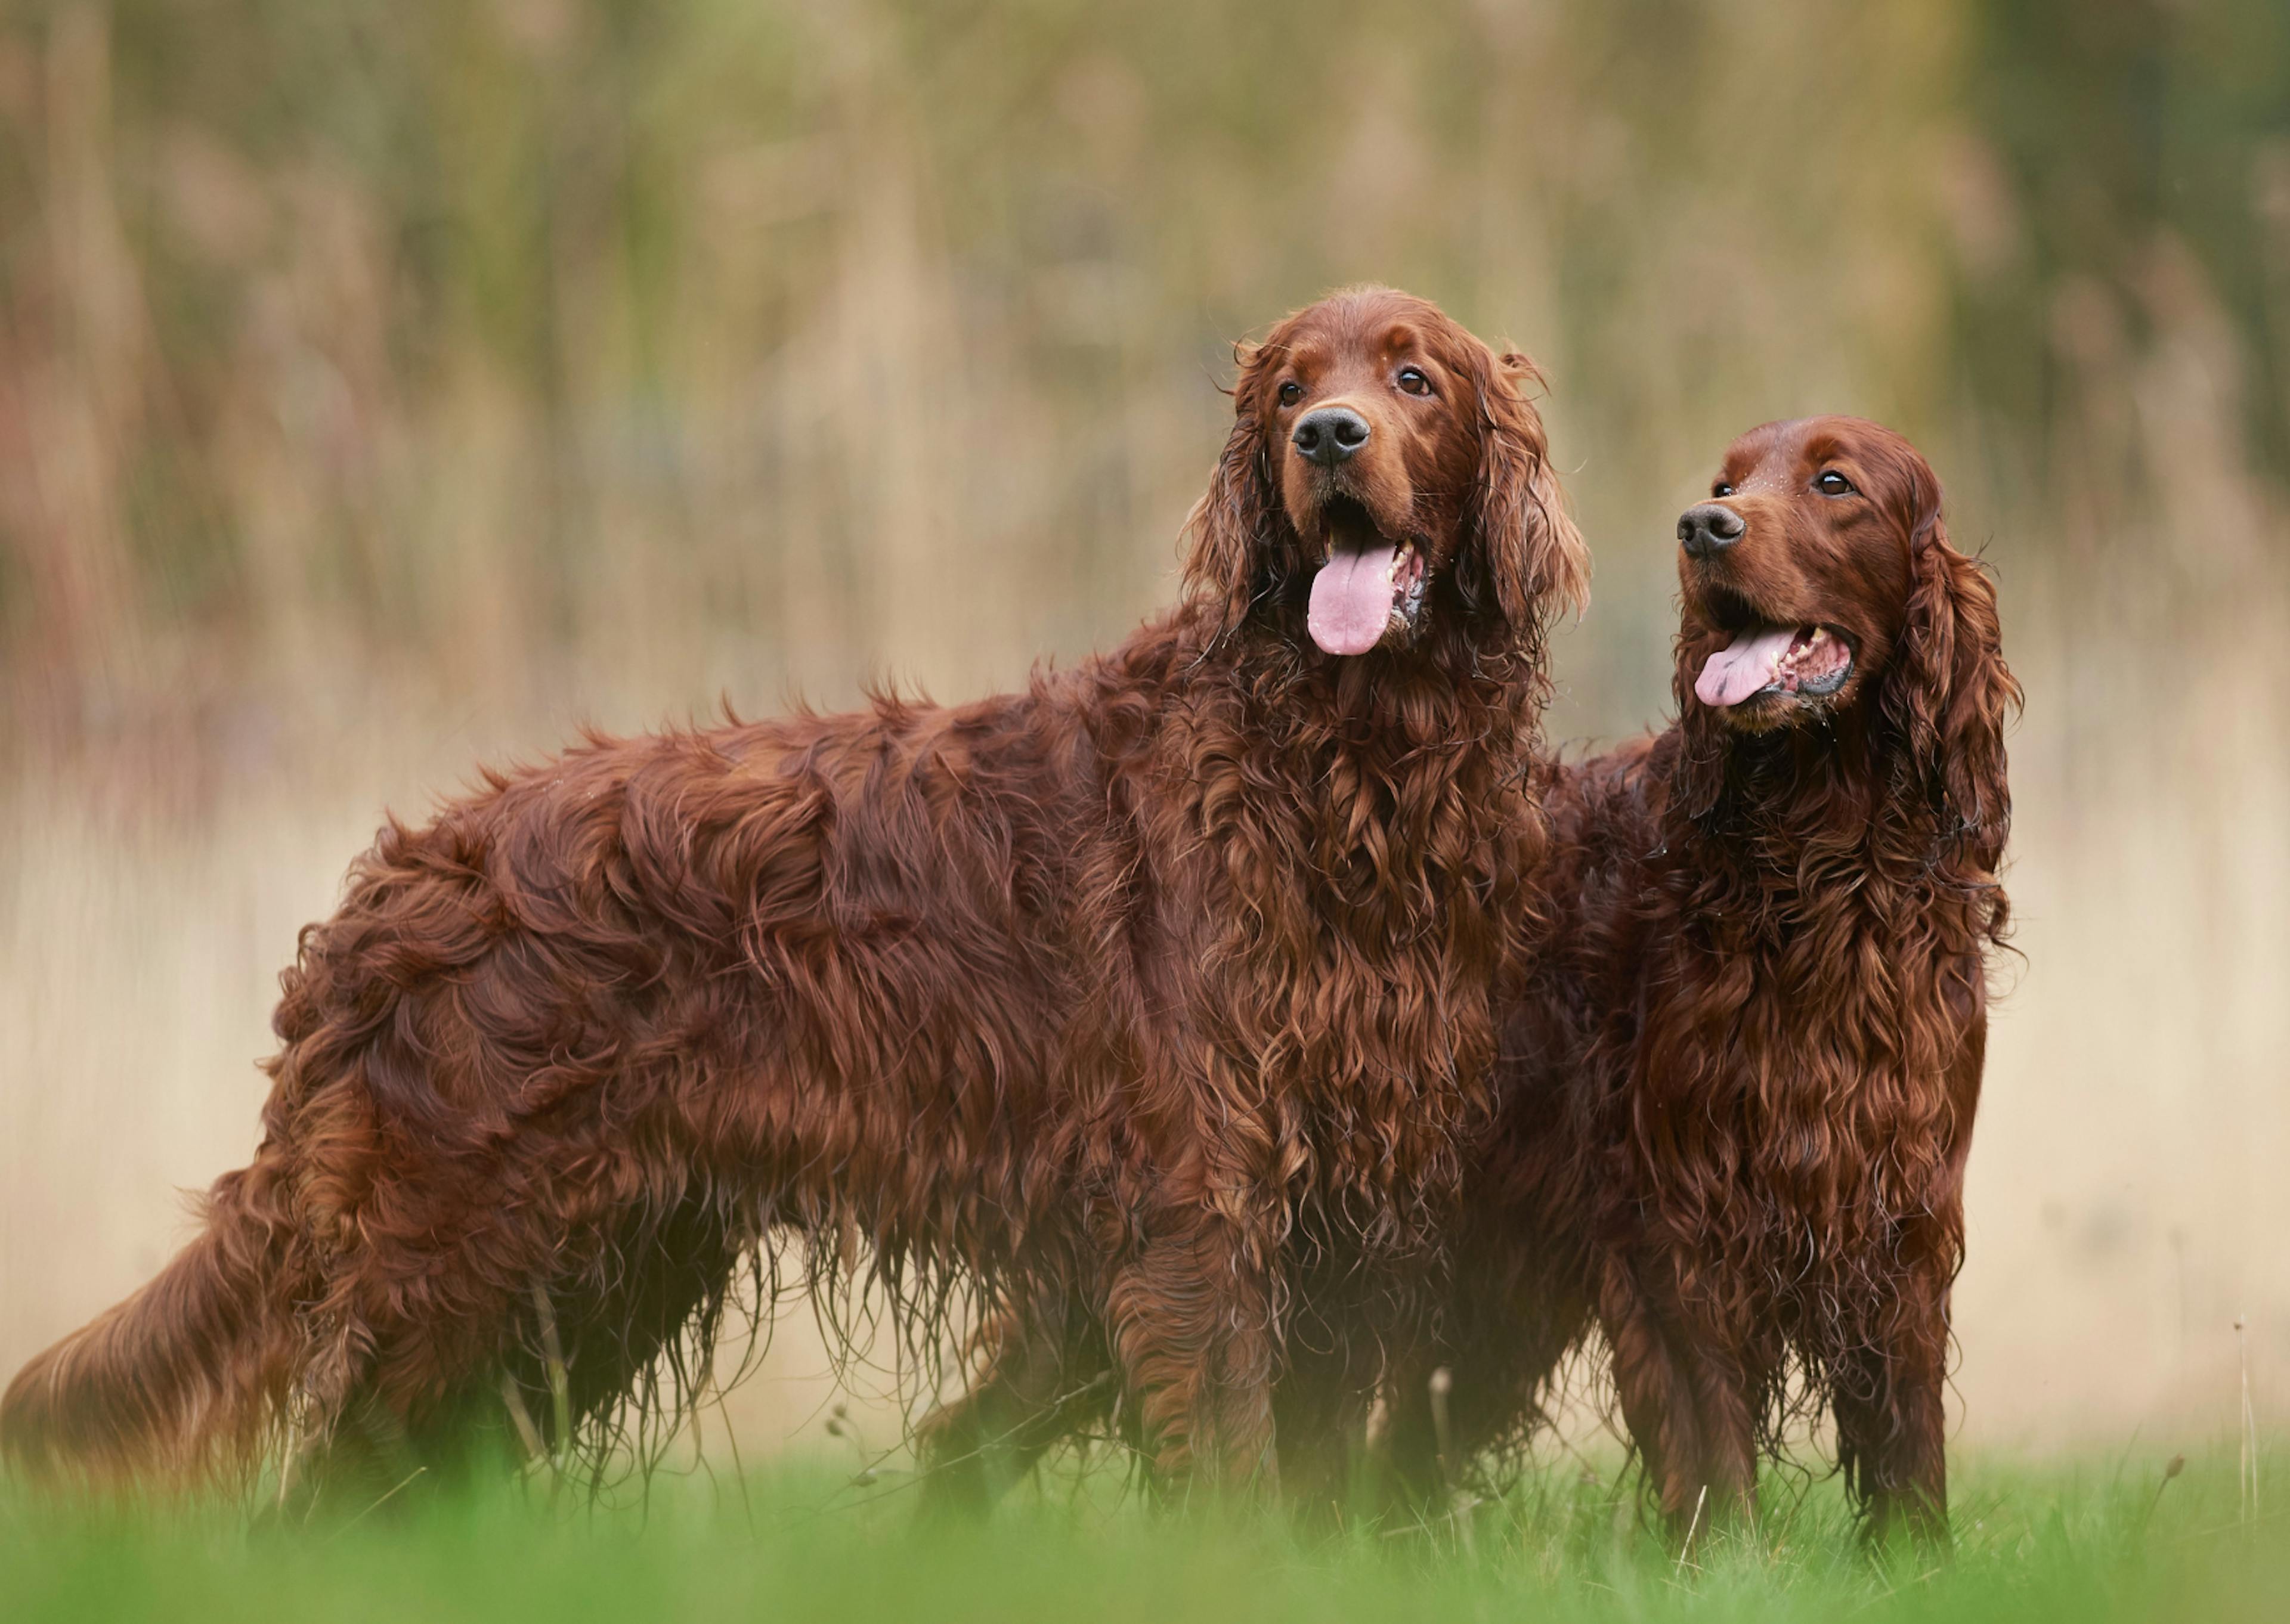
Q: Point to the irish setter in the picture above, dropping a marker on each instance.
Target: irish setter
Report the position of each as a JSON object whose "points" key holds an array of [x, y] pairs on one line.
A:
{"points": [[1135, 982], [1737, 1088], [1739, 1091]]}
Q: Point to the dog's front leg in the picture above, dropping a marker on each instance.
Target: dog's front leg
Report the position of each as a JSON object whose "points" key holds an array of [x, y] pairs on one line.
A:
{"points": [[1891, 1420], [1682, 1399], [1044, 1379], [1891, 1395], [1193, 1321]]}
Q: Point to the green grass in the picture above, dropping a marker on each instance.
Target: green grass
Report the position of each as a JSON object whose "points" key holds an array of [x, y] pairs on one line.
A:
{"points": [[2095, 1541]]}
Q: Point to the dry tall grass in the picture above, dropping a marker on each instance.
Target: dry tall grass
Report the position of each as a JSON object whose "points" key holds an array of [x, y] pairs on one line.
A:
{"points": [[383, 388]]}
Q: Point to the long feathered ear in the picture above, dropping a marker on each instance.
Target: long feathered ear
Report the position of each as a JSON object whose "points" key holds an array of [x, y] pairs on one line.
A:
{"points": [[1952, 693], [1528, 543], [1697, 775], [1229, 534]]}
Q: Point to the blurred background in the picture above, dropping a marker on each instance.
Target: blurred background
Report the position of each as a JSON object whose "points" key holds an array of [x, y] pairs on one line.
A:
{"points": [[389, 386]]}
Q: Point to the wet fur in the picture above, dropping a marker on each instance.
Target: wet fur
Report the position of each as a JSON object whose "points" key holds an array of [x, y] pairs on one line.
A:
{"points": [[1737, 1085], [1122, 987], [1740, 1090]]}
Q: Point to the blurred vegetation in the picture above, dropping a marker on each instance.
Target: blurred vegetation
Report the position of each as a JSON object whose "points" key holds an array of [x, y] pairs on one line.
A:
{"points": [[386, 386], [2111, 1543], [542, 352]]}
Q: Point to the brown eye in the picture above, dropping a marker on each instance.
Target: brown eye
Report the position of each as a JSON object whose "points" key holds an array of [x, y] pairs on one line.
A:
{"points": [[1833, 483], [1721, 489], [1412, 380], [1291, 393]]}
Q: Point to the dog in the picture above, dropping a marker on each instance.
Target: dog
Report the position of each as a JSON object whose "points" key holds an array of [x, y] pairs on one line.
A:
{"points": [[1136, 985], [1738, 1090], [1737, 1083]]}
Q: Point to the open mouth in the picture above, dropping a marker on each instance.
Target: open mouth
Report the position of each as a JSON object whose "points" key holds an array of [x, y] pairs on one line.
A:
{"points": [[1369, 586], [1809, 662]]}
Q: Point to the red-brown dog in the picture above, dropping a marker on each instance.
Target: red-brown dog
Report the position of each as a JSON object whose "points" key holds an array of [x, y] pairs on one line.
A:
{"points": [[1738, 1087], [1740, 1090], [1122, 988]]}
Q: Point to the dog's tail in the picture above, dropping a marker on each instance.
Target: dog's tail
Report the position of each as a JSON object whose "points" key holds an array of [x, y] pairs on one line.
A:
{"points": [[183, 1383]]}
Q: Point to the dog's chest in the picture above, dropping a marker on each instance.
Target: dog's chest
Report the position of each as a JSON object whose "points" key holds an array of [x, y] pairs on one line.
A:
{"points": [[1802, 1065], [1365, 930]]}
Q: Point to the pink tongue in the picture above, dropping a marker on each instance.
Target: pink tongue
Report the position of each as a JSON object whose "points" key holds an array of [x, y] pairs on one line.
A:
{"points": [[1351, 600], [1733, 674]]}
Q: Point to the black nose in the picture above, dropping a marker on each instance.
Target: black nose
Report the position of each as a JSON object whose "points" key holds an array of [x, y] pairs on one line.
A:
{"points": [[1330, 435], [1708, 530]]}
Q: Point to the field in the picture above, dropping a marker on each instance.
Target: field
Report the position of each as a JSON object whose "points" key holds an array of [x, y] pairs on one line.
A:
{"points": [[2100, 1541], [386, 390], [392, 386]]}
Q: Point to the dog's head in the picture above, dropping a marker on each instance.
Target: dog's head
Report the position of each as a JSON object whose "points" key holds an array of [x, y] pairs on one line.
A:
{"points": [[1818, 582], [1385, 472]]}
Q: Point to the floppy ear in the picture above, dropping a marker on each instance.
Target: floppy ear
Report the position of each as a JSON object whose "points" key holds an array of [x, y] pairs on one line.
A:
{"points": [[1952, 693], [1231, 531], [1697, 775], [1528, 543]]}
